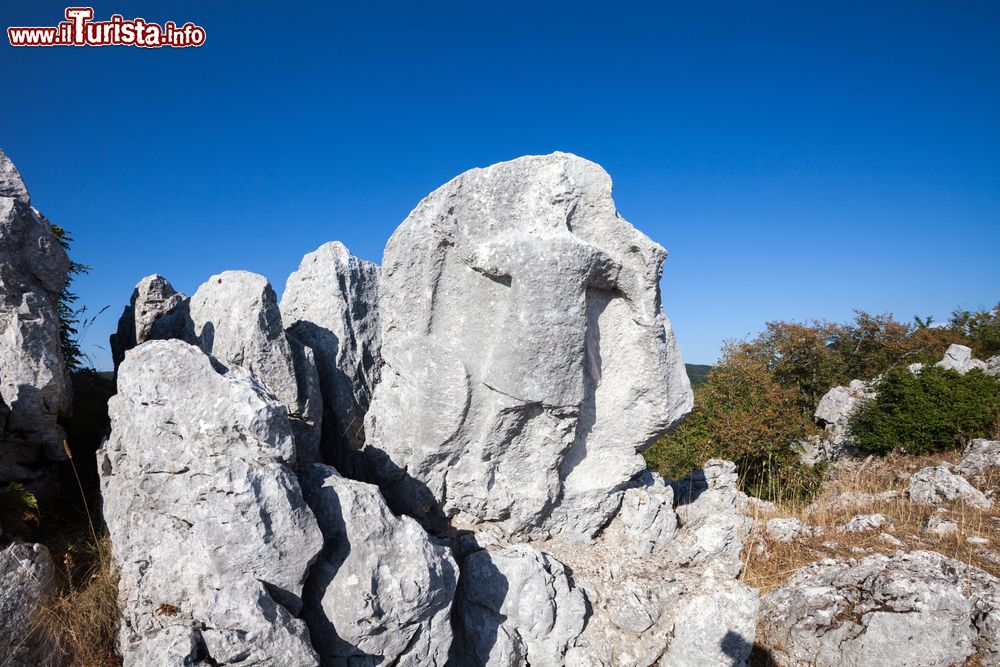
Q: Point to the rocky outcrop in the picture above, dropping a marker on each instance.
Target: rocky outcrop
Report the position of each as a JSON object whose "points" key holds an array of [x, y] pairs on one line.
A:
{"points": [[979, 458], [331, 304], [938, 484], [148, 316], [959, 358], [788, 529], [34, 384], [382, 589], [917, 608], [210, 531], [834, 413], [527, 358], [27, 582]]}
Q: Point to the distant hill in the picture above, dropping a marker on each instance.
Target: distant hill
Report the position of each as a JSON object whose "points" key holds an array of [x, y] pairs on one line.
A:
{"points": [[697, 373]]}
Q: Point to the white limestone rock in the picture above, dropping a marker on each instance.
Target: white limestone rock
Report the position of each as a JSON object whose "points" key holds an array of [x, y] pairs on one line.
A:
{"points": [[834, 412], [787, 529], [993, 366], [331, 304], [516, 606], [938, 484], [865, 523], [916, 608], [647, 515], [382, 589], [715, 627], [959, 358], [153, 299], [941, 524], [527, 357], [980, 457], [209, 529], [27, 583], [34, 385]]}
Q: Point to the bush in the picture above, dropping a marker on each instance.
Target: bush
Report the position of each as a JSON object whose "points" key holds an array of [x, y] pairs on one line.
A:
{"points": [[744, 415], [932, 411]]}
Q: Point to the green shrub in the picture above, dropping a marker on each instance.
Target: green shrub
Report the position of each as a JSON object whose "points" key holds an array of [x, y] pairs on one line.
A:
{"points": [[932, 411]]}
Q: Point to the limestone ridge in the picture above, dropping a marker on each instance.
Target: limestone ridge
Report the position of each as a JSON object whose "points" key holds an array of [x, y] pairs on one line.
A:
{"points": [[436, 462], [34, 384]]}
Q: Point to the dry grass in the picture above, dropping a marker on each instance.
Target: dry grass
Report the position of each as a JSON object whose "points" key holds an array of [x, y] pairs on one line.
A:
{"points": [[768, 563], [82, 622]]}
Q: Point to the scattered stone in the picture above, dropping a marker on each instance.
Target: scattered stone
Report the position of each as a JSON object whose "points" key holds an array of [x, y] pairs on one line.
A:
{"points": [[980, 457], [890, 539], [977, 540], [527, 357], [865, 523], [959, 358], [937, 484], [34, 385], [916, 608], [940, 524], [204, 512], [915, 368], [787, 530], [27, 582], [331, 304], [381, 587]]}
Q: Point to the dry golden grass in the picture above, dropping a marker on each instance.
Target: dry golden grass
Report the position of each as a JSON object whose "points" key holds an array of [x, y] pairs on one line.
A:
{"points": [[82, 622], [768, 563]]}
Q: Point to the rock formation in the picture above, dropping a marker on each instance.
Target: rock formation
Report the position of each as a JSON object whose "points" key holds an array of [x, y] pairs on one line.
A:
{"points": [[938, 484], [331, 304], [27, 582], [210, 531], [915, 608], [34, 385], [959, 358], [527, 358], [382, 589], [979, 458], [153, 298]]}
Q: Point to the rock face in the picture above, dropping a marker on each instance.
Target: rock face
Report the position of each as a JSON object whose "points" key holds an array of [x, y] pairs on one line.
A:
{"points": [[938, 484], [153, 298], [331, 305], [382, 590], [27, 580], [210, 531], [915, 608], [959, 358], [527, 358], [834, 412], [34, 385]]}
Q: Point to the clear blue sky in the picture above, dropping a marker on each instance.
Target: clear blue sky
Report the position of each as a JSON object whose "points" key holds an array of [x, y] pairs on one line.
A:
{"points": [[798, 160]]}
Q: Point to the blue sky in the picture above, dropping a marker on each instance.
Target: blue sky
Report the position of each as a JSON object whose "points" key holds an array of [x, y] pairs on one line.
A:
{"points": [[798, 160]]}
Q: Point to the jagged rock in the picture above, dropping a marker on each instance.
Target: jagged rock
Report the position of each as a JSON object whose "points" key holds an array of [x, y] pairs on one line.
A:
{"points": [[865, 523], [940, 524], [993, 366], [937, 484], [11, 184], [153, 298], [516, 606], [834, 412], [27, 582], [712, 513], [382, 590], [34, 384], [714, 628], [915, 608], [787, 529], [979, 457], [959, 358], [209, 529], [647, 515], [331, 304], [527, 358]]}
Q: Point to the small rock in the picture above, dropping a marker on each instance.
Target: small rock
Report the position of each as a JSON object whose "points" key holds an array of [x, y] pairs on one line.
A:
{"points": [[977, 540], [890, 539], [939, 524], [27, 582], [865, 523], [787, 530]]}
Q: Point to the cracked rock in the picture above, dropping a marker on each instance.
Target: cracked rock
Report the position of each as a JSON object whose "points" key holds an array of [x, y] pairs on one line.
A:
{"points": [[937, 484]]}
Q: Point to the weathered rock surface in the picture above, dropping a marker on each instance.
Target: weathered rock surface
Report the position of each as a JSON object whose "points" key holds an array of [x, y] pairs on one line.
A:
{"points": [[993, 366], [148, 316], [865, 523], [937, 484], [27, 581], [331, 304], [517, 606], [787, 529], [527, 358], [917, 609], [382, 590], [713, 514], [959, 358], [834, 412], [209, 528], [34, 385], [647, 515], [979, 458]]}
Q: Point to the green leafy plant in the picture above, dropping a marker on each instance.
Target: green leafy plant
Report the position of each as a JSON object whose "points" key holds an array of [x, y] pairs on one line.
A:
{"points": [[932, 411], [18, 504]]}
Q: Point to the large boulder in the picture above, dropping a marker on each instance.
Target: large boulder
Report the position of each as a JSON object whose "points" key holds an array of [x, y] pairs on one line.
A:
{"points": [[382, 589], [834, 413], [527, 357], [959, 358], [153, 302], [938, 484], [27, 583], [34, 384], [210, 532], [331, 304], [919, 609]]}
